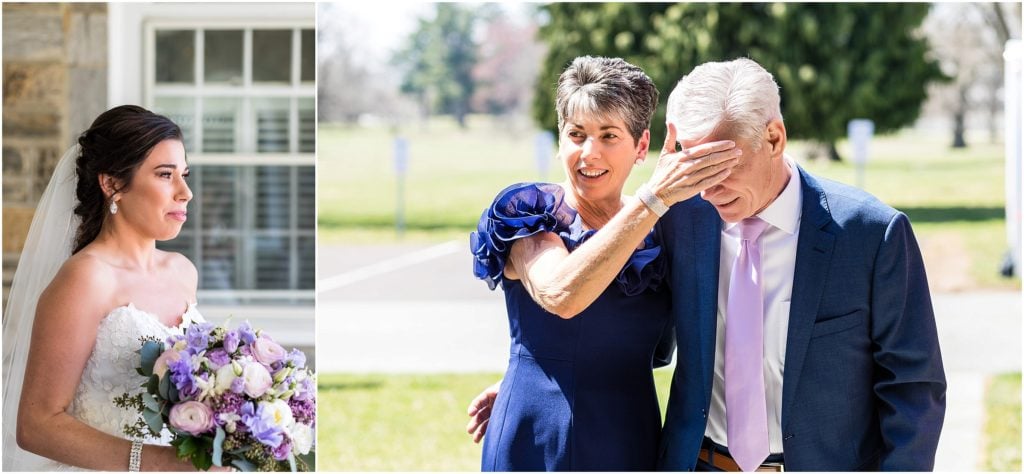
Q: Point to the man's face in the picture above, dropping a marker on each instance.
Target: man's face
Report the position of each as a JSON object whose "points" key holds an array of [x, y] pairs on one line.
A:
{"points": [[754, 183]]}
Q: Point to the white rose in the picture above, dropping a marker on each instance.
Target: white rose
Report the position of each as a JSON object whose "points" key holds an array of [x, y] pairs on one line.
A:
{"points": [[302, 438], [225, 376], [257, 379]]}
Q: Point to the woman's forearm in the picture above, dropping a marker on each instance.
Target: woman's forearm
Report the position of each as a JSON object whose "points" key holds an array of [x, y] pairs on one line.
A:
{"points": [[69, 441], [566, 284]]}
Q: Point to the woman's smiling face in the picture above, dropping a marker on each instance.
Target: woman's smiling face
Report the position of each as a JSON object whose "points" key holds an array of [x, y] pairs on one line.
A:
{"points": [[598, 154]]}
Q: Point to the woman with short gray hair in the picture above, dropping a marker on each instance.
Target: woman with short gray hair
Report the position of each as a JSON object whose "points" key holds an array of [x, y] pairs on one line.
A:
{"points": [[586, 308]]}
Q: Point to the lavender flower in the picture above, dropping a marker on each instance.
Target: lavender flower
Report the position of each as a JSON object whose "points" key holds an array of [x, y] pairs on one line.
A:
{"points": [[219, 358], [231, 340], [296, 359], [198, 337], [182, 376], [261, 424], [246, 332]]}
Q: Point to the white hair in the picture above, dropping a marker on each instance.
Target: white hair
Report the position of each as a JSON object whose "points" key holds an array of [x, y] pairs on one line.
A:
{"points": [[732, 99]]}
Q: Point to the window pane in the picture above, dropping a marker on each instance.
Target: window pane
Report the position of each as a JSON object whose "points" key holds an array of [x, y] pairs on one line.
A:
{"points": [[272, 259], [273, 197], [222, 60], [272, 55], [308, 56], [222, 125], [175, 56], [181, 111], [219, 268], [271, 119], [306, 218], [307, 126], [307, 263], [219, 202]]}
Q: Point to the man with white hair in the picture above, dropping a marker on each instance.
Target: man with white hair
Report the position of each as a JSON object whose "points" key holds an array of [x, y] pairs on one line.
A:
{"points": [[805, 332], [804, 325]]}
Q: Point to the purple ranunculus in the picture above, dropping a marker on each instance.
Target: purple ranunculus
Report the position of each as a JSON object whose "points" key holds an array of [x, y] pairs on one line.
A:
{"points": [[182, 376], [246, 333], [219, 357], [296, 358], [282, 451], [192, 416], [266, 351], [231, 340]]}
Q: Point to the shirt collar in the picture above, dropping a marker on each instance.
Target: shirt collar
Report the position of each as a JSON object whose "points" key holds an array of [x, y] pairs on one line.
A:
{"points": [[784, 212]]}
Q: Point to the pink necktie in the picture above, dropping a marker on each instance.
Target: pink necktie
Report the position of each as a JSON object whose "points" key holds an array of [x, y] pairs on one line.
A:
{"points": [[745, 406]]}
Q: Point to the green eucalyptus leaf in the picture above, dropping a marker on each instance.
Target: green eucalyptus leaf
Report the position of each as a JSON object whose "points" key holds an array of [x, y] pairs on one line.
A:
{"points": [[165, 388], [153, 385], [151, 403], [154, 421], [218, 446], [151, 350]]}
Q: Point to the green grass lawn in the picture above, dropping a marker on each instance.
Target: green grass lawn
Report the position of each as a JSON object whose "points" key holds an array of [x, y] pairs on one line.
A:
{"points": [[405, 422], [1002, 424], [954, 198]]}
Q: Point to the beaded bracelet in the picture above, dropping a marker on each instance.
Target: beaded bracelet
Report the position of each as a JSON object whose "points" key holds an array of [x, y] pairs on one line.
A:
{"points": [[135, 459]]}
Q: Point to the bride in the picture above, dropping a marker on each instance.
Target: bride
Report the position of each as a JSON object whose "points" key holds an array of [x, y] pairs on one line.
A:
{"points": [[91, 263]]}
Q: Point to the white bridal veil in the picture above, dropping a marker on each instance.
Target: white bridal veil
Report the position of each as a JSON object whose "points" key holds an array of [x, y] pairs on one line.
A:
{"points": [[48, 245]]}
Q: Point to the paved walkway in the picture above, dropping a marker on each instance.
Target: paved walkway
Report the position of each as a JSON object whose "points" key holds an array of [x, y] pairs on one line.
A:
{"points": [[432, 316]]}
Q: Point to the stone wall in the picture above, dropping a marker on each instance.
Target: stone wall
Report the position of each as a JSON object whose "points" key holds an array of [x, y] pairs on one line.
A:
{"points": [[54, 85]]}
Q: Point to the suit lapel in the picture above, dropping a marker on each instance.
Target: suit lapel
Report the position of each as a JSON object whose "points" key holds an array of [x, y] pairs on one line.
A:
{"points": [[707, 235], [813, 255]]}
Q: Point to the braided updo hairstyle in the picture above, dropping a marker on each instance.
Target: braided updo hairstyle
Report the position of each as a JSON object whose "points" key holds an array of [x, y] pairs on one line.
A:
{"points": [[116, 144]]}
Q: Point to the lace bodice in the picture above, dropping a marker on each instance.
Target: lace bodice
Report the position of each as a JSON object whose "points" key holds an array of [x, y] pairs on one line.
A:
{"points": [[110, 370]]}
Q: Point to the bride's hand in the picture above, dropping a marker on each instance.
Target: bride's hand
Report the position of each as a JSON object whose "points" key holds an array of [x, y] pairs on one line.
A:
{"points": [[682, 174]]}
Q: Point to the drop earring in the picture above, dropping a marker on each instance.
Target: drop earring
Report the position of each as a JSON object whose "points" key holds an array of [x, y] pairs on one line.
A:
{"points": [[113, 207]]}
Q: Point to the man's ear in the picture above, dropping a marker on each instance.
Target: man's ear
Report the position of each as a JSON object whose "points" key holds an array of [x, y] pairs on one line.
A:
{"points": [[775, 138]]}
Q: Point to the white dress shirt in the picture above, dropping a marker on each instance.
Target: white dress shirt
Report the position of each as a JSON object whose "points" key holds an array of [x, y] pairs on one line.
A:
{"points": [[778, 257]]}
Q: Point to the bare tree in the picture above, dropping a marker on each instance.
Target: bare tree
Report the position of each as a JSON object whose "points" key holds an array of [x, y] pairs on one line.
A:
{"points": [[968, 39]]}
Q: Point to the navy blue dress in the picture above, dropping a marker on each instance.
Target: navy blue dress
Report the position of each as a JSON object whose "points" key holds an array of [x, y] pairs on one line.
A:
{"points": [[579, 393]]}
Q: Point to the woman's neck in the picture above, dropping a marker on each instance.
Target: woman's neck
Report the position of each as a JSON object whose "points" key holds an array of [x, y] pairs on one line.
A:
{"points": [[595, 214], [129, 248]]}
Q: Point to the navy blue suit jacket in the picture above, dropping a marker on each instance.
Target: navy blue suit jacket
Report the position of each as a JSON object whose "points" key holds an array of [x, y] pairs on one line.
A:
{"points": [[863, 387]]}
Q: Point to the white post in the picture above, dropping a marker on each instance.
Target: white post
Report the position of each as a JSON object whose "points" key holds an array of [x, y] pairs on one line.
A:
{"points": [[1012, 137], [401, 166], [859, 132]]}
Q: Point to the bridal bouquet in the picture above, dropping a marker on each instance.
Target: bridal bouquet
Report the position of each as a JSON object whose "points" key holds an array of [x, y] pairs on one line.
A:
{"points": [[229, 398]]}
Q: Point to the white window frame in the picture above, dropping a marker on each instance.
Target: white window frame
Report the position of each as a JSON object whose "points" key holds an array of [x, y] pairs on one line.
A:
{"points": [[295, 91]]}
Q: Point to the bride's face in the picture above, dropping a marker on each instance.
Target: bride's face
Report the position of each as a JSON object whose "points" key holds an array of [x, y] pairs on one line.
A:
{"points": [[155, 200]]}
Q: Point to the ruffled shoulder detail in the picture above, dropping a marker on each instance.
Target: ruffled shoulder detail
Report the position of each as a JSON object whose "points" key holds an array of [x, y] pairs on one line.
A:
{"points": [[518, 211], [524, 209]]}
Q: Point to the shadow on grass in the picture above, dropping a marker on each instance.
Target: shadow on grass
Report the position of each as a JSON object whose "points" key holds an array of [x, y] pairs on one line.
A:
{"points": [[358, 385], [953, 214]]}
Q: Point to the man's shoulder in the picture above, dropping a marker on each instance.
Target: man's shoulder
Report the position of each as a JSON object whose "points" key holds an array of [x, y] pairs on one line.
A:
{"points": [[848, 204]]}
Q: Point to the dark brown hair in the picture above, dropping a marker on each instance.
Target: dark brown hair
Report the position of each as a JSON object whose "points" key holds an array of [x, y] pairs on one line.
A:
{"points": [[598, 86], [116, 144]]}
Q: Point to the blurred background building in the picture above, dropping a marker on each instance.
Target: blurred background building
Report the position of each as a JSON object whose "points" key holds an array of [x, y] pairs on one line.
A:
{"points": [[240, 81]]}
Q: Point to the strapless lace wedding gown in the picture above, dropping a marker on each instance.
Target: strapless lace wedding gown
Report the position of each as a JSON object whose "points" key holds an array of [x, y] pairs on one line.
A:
{"points": [[110, 372]]}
